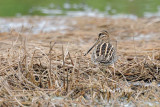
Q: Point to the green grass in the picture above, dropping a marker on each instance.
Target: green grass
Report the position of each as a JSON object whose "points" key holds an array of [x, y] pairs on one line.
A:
{"points": [[137, 7]]}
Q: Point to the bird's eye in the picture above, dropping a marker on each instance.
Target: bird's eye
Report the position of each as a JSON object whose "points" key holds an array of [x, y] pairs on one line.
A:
{"points": [[100, 35]]}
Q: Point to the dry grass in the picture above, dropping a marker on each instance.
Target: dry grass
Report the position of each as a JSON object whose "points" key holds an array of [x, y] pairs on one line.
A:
{"points": [[57, 74]]}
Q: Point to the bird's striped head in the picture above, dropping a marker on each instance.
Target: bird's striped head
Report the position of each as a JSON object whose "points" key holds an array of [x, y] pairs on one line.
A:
{"points": [[103, 35]]}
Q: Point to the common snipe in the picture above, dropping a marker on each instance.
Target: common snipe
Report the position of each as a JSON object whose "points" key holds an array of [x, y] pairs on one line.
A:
{"points": [[104, 52]]}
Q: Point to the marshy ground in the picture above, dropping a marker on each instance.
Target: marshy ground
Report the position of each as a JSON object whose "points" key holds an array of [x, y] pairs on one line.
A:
{"points": [[42, 62]]}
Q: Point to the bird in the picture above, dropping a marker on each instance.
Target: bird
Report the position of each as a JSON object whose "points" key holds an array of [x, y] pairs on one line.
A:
{"points": [[104, 52]]}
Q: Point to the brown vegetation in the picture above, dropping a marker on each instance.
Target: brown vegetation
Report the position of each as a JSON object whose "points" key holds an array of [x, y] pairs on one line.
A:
{"points": [[49, 69]]}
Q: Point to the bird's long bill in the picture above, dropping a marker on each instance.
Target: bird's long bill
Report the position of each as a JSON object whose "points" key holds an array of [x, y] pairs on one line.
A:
{"points": [[91, 47]]}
